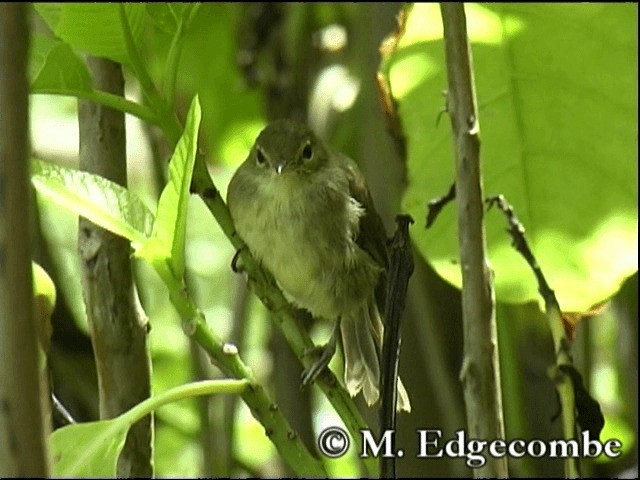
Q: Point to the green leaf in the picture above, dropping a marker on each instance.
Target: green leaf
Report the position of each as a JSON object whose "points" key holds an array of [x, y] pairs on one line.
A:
{"points": [[94, 28], [103, 202], [557, 93], [167, 16], [88, 449], [53, 65], [92, 449], [171, 217]]}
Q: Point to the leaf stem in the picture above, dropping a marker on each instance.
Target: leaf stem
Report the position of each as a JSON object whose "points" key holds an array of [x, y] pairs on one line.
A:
{"points": [[148, 88], [173, 57], [107, 99], [204, 387]]}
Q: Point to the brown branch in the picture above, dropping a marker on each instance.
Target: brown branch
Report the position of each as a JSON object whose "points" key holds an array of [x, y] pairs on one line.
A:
{"points": [[573, 395], [480, 374], [118, 325], [23, 426], [516, 230]]}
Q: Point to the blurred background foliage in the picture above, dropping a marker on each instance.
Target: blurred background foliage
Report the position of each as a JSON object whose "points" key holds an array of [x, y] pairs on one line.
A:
{"points": [[240, 58]]}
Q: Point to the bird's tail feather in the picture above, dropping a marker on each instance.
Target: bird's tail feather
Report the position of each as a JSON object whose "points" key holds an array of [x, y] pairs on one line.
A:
{"points": [[362, 333]]}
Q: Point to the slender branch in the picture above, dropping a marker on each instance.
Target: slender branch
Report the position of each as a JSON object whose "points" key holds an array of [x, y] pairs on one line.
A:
{"points": [[400, 270], [563, 375], [23, 423], [480, 374], [60, 413]]}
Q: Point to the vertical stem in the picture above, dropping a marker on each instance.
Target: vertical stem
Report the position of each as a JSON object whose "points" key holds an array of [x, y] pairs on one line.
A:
{"points": [[480, 374], [23, 428], [118, 325]]}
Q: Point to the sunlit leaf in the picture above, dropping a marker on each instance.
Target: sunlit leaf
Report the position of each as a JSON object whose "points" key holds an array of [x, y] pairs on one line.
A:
{"points": [[94, 28], [557, 92], [171, 218], [103, 202]]}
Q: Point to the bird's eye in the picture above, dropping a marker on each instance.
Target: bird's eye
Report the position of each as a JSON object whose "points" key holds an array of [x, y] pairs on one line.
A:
{"points": [[260, 158], [307, 152]]}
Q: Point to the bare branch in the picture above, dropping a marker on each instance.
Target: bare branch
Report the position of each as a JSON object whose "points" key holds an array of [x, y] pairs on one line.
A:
{"points": [[480, 374]]}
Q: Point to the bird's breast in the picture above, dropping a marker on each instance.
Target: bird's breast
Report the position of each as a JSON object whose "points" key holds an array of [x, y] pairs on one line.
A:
{"points": [[305, 235]]}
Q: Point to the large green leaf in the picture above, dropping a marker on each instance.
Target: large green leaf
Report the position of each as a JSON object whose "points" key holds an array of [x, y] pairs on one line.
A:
{"points": [[557, 92], [92, 449], [88, 449], [54, 66], [94, 28], [103, 202], [171, 218]]}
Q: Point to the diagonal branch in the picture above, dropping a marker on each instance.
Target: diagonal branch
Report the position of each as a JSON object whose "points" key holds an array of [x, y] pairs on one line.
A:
{"points": [[568, 381]]}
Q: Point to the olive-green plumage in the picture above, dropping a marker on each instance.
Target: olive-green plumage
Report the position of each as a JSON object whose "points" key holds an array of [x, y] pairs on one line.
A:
{"points": [[306, 214]]}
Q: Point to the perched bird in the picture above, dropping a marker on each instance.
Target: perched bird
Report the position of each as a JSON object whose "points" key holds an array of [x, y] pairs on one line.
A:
{"points": [[304, 211]]}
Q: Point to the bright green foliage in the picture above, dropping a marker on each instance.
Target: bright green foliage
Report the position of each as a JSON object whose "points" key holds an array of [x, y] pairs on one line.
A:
{"points": [[94, 28], [557, 95], [116, 209], [171, 218], [103, 202]]}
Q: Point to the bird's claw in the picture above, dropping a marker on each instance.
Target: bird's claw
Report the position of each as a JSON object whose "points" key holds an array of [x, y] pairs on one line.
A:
{"points": [[324, 354]]}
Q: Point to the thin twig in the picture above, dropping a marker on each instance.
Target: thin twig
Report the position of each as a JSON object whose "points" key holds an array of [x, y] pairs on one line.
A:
{"points": [[60, 412], [516, 230], [569, 385]]}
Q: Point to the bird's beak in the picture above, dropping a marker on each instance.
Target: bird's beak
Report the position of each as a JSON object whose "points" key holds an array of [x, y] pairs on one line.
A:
{"points": [[279, 168]]}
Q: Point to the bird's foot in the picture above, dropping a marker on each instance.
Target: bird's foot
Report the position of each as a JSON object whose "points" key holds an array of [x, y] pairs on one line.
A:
{"points": [[323, 354]]}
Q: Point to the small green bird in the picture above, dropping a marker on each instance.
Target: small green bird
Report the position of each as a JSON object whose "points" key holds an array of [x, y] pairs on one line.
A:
{"points": [[304, 211]]}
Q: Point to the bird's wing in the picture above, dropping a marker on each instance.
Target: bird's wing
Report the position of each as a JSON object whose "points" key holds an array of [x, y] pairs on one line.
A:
{"points": [[372, 236]]}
